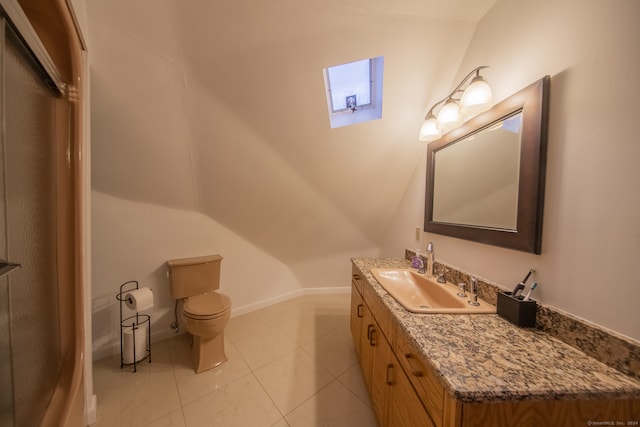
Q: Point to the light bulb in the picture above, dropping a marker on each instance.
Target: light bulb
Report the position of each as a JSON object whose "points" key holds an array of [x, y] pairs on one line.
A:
{"points": [[449, 116], [429, 130], [476, 98]]}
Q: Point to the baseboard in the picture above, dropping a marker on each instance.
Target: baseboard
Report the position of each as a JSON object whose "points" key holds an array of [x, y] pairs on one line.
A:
{"points": [[90, 408], [328, 291], [237, 311], [112, 349], [287, 296], [104, 351]]}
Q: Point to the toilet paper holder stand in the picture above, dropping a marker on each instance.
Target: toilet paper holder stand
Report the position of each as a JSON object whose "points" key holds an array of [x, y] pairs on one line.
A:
{"points": [[134, 323]]}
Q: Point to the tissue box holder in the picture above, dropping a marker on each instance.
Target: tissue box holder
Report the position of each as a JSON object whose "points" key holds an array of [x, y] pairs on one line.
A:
{"points": [[520, 313]]}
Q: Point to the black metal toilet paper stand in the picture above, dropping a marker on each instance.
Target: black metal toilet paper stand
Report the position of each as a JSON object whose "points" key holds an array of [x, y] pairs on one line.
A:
{"points": [[132, 323]]}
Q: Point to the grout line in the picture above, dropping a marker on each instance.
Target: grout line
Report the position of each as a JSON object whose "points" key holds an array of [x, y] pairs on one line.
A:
{"points": [[268, 395]]}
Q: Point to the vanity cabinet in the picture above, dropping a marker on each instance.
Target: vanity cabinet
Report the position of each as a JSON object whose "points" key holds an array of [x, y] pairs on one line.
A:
{"points": [[394, 399], [405, 390]]}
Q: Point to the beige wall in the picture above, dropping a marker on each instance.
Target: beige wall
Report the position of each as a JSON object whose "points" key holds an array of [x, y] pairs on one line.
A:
{"points": [[210, 133], [133, 241], [591, 231], [220, 108]]}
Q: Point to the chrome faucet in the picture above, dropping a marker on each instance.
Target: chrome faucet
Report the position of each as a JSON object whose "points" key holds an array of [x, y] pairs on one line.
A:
{"points": [[474, 291], [430, 259]]}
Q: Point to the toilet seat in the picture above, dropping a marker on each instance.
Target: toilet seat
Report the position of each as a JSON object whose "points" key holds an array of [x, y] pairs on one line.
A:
{"points": [[206, 306]]}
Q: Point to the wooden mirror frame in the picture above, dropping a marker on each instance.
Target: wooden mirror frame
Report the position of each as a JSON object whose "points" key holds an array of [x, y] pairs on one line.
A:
{"points": [[533, 101]]}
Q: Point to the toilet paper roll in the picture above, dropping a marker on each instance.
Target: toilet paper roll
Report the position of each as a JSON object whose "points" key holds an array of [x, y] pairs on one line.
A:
{"points": [[139, 299], [140, 344]]}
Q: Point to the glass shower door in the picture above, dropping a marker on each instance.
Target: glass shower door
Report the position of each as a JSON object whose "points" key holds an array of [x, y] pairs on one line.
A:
{"points": [[6, 385], [29, 320]]}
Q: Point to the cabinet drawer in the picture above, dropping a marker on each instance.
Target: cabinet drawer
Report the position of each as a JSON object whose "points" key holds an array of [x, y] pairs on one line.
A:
{"points": [[428, 388], [356, 278], [405, 408]]}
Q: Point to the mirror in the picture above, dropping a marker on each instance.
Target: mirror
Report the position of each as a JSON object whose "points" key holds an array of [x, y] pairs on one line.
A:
{"points": [[485, 179]]}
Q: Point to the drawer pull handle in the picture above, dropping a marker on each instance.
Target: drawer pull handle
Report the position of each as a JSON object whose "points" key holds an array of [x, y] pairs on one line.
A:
{"points": [[389, 372], [359, 310], [369, 329], [356, 277], [372, 340], [410, 360]]}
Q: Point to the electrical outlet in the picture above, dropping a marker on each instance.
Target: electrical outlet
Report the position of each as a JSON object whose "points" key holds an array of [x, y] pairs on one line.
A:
{"points": [[418, 233]]}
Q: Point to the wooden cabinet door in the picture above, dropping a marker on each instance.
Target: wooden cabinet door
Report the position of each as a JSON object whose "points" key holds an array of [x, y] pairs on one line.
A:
{"points": [[380, 372], [374, 352], [366, 349], [357, 315], [405, 407], [421, 376]]}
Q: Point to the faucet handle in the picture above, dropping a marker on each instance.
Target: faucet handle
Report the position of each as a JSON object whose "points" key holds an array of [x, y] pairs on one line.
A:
{"points": [[461, 293], [474, 292]]}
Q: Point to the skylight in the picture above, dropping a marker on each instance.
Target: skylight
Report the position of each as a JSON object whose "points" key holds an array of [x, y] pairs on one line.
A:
{"points": [[354, 91]]}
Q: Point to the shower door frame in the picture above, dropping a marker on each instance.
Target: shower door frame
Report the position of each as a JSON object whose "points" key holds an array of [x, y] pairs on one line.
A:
{"points": [[50, 32]]}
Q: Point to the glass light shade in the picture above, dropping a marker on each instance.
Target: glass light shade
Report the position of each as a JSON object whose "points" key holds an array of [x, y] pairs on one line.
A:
{"points": [[449, 116], [476, 98], [429, 130]]}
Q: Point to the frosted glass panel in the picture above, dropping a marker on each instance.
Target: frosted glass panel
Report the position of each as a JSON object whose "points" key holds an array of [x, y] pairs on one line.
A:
{"points": [[6, 385], [29, 111], [359, 82], [350, 79]]}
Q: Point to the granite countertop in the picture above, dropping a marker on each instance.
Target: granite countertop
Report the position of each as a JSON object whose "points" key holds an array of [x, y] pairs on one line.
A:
{"points": [[482, 357]]}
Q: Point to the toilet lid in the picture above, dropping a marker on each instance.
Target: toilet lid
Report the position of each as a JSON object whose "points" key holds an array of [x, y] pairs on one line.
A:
{"points": [[206, 305]]}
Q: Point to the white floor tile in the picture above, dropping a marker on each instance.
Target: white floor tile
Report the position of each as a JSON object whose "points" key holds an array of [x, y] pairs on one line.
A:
{"points": [[304, 327], [333, 351], [289, 364], [138, 403], [193, 386], [281, 423], [333, 406], [174, 419], [248, 325], [292, 379], [354, 381], [240, 403], [265, 347]]}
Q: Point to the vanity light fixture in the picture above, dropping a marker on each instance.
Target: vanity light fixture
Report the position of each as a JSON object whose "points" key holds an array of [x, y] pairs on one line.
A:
{"points": [[476, 97]]}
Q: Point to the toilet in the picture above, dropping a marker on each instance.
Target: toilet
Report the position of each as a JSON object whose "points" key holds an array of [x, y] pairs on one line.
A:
{"points": [[204, 312]]}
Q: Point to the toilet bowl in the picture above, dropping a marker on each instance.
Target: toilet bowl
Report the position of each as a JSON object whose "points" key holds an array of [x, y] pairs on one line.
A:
{"points": [[204, 313], [204, 317]]}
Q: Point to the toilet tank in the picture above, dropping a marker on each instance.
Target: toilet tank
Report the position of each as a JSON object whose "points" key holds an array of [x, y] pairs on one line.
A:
{"points": [[194, 276]]}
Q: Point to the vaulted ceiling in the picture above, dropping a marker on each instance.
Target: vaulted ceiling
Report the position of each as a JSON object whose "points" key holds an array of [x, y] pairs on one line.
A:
{"points": [[219, 107]]}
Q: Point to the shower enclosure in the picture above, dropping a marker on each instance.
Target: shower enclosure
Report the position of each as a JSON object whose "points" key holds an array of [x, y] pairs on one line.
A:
{"points": [[39, 324]]}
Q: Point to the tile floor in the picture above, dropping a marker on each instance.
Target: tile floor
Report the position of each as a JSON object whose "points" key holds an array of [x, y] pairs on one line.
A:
{"points": [[290, 364]]}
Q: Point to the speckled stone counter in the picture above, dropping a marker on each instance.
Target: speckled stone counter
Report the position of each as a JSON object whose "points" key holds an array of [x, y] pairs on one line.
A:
{"points": [[482, 357]]}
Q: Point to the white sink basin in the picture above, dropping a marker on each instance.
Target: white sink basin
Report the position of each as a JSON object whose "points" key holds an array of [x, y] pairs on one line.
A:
{"points": [[420, 294]]}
